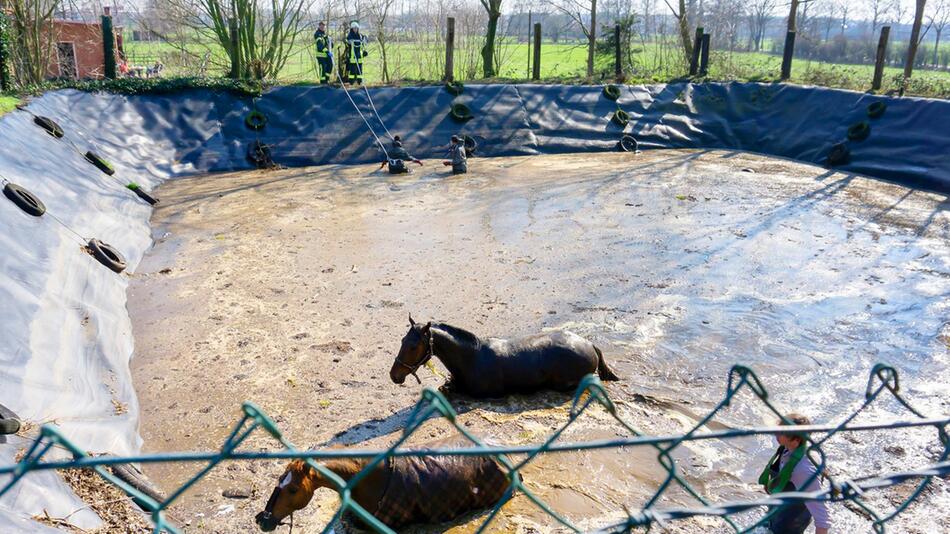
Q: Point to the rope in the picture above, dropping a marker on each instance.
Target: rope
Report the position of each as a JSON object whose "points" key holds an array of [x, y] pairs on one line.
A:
{"points": [[882, 381], [83, 240], [359, 66], [376, 137]]}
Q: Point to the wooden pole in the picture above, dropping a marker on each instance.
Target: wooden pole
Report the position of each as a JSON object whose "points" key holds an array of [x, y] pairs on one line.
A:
{"points": [[787, 55], [108, 45], [235, 53], [618, 63], [697, 45], [704, 59], [914, 41], [536, 74], [450, 50], [528, 73], [881, 56]]}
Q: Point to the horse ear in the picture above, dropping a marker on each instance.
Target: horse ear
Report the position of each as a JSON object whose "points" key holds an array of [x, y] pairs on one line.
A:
{"points": [[426, 327], [411, 322]]}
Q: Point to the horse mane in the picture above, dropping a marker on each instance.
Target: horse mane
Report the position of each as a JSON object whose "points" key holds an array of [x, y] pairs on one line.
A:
{"points": [[459, 333]]}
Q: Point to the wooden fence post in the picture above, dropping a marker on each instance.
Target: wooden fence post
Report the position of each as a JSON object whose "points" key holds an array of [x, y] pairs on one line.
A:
{"points": [[235, 53], [881, 56], [528, 72], [787, 55], [450, 50], [108, 44], [704, 59], [697, 46], [618, 62], [536, 74]]}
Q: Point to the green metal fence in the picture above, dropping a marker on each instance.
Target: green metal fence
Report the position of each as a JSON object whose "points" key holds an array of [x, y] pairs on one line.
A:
{"points": [[883, 382]]}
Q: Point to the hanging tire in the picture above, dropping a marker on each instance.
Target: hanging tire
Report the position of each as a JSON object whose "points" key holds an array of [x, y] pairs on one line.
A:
{"points": [[461, 112], [454, 88], [628, 143], [621, 118], [49, 125], [612, 92], [106, 254], [859, 131], [25, 200], [9, 422], [470, 145], [839, 155], [142, 194], [137, 479], [255, 120], [876, 109], [99, 163]]}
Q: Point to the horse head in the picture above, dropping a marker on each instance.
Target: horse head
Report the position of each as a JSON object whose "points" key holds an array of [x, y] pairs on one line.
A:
{"points": [[414, 353], [292, 493]]}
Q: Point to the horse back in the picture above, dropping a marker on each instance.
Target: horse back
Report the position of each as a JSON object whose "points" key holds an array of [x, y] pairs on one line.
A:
{"points": [[554, 359]]}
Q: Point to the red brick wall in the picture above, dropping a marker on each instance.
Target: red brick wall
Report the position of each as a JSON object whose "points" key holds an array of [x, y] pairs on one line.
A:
{"points": [[87, 43]]}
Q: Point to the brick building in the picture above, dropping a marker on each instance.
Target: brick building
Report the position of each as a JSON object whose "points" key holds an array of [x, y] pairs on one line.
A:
{"points": [[78, 51]]}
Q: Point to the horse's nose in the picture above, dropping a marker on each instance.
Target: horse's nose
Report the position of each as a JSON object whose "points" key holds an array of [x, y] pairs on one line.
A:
{"points": [[266, 522], [396, 378]]}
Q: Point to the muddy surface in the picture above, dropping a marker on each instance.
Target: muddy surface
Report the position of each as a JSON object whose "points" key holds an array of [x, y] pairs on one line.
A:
{"points": [[293, 289]]}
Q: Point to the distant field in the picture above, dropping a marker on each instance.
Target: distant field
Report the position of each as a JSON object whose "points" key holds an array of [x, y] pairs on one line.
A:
{"points": [[560, 61]]}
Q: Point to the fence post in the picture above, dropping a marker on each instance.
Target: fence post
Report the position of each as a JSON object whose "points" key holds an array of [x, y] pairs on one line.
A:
{"points": [[528, 72], [787, 55], [704, 59], [108, 44], [618, 63], [235, 53], [450, 50], [697, 46], [881, 56], [536, 74]]}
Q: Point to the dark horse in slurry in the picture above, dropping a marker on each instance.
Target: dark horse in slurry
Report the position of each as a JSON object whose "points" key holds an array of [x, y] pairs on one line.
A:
{"points": [[399, 491], [496, 367]]}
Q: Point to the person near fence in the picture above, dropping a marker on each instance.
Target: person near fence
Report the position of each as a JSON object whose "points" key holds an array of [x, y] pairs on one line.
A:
{"points": [[324, 52], [790, 469], [356, 45], [398, 156], [458, 159]]}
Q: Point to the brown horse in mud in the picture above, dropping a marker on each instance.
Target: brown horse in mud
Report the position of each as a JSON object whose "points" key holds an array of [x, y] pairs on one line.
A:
{"points": [[496, 367], [399, 491]]}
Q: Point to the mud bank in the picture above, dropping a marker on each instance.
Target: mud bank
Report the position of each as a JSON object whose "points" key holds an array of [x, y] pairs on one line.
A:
{"points": [[292, 289]]}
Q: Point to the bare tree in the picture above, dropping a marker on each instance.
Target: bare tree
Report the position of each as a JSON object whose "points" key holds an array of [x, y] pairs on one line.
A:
{"points": [[33, 38], [583, 14], [914, 41], [879, 9], [759, 13], [267, 30], [939, 19], [493, 8], [379, 13], [681, 16]]}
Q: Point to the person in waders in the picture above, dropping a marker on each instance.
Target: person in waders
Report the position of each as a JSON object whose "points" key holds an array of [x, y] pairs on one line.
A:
{"points": [[457, 156], [398, 156], [324, 52], [356, 45], [789, 470]]}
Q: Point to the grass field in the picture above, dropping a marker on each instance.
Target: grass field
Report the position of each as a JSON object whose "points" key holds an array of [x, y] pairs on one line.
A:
{"points": [[653, 62], [8, 103]]}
